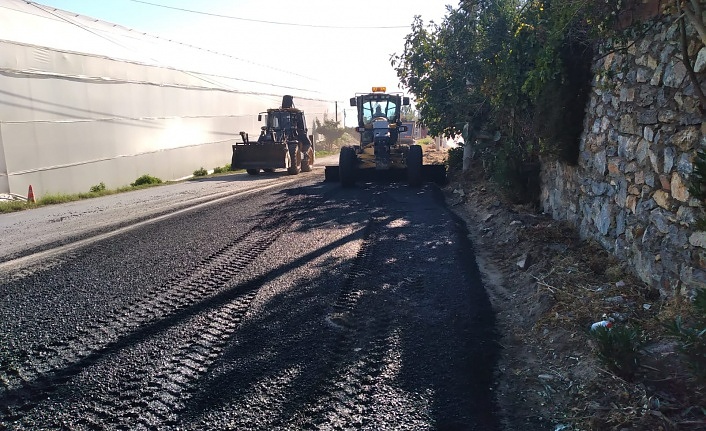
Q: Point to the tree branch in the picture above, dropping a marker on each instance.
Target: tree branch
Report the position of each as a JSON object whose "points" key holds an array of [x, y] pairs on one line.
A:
{"points": [[687, 62], [695, 19]]}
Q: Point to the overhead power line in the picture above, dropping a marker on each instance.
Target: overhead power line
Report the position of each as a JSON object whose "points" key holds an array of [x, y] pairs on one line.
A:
{"points": [[199, 75], [288, 72], [270, 22]]}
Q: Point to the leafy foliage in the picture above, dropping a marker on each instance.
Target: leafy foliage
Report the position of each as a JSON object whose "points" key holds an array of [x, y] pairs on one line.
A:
{"points": [[201, 172], [331, 130], [98, 187], [693, 337], [520, 68], [455, 159], [697, 186], [618, 349], [221, 169], [146, 180], [408, 113]]}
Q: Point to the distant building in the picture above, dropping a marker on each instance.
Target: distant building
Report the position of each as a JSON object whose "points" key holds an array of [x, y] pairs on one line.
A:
{"points": [[414, 130]]}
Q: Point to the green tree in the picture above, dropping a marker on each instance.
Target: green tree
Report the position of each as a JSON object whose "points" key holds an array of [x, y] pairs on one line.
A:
{"points": [[408, 113], [518, 69], [330, 130]]}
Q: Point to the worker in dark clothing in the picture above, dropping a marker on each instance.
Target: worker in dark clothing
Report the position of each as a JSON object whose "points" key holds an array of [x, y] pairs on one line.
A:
{"points": [[378, 112]]}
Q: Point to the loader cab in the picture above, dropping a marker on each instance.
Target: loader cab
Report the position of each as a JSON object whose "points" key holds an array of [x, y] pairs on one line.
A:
{"points": [[284, 123], [279, 120]]}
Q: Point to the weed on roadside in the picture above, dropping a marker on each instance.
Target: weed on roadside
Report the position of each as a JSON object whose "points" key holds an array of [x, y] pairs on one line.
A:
{"points": [[619, 349], [691, 335], [146, 180]]}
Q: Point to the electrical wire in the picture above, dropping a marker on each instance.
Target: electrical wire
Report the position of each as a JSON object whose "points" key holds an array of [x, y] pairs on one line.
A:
{"points": [[287, 72], [272, 22], [196, 75]]}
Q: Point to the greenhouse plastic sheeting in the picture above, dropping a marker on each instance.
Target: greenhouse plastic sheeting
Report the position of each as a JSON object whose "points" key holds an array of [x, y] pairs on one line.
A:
{"points": [[77, 109]]}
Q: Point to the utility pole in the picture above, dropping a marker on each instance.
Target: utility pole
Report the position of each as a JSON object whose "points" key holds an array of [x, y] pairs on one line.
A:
{"points": [[337, 111]]}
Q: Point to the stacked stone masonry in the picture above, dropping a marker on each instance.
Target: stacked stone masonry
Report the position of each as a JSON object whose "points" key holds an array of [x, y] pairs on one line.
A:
{"points": [[630, 189]]}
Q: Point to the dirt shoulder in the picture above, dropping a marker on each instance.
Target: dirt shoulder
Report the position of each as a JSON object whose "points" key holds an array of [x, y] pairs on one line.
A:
{"points": [[547, 287]]}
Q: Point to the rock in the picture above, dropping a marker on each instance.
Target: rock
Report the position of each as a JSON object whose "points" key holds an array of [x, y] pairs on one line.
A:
{"points": [[669, 156], [628, 125], [648, 117], [698, 239], [614, 166], [679, 190], [649, 134], [665, 182], [603, 219], [674, 74], [686, 139], [639, 177], [685, 166], [662, 199], [686, 215], [615, 300], [631, 203], [668, 116], [700, 63], [487, 217], [524, 261], [659, 219], [654, 160]]}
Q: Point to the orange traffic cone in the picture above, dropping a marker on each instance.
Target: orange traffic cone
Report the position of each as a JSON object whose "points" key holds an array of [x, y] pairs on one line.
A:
{"points": [[30, 195]]}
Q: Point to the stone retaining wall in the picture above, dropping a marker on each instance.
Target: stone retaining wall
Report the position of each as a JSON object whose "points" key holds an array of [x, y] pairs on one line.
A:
{"points": [[630, 189]]}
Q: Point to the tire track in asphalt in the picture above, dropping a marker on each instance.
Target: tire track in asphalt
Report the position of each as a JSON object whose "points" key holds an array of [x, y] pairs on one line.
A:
{"points": [[345, 398], [39, 372], [151, 394]]}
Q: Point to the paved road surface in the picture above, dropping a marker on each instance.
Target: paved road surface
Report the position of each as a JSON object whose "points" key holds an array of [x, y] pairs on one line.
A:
{"points": [[305, 306]]}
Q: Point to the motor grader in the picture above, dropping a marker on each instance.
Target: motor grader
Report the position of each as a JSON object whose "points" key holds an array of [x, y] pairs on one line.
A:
{"points": [[283, 143], [381, 153]]}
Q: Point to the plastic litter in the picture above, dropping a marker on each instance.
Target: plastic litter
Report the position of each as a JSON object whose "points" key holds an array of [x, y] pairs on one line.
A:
{"points": [[603, 323]]}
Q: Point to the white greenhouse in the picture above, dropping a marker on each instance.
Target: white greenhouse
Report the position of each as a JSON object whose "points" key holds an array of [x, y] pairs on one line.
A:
{"points": [[84, 101]]}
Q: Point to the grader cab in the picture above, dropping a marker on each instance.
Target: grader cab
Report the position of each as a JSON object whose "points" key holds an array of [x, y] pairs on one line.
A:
{"points": [[380, 151]]}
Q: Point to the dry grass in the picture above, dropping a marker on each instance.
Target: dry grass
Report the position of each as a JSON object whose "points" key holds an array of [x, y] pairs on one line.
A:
{"points": [[546, 312]]}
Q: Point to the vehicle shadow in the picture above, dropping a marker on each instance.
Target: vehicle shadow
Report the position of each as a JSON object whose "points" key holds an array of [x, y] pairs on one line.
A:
{"points": [[386, 323], [406, 315]]}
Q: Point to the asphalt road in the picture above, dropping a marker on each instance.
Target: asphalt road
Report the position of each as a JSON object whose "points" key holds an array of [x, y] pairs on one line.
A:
{"points": [[299, 306]]}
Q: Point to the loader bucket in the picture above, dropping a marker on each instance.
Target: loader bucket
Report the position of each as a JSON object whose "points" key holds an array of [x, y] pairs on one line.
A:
{"points": [[259, 156]]}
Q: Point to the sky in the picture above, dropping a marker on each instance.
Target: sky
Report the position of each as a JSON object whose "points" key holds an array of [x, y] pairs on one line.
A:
{"points": [[337, 47]]}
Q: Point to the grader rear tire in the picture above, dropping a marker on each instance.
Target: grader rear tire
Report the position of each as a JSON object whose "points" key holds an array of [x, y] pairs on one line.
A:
{"points": [[414, 165], [347, 166], [252, 171]]}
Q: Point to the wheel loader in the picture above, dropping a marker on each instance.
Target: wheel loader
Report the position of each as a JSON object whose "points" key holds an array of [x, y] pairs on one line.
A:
{"points": [[381, 153], [283, 143]]}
